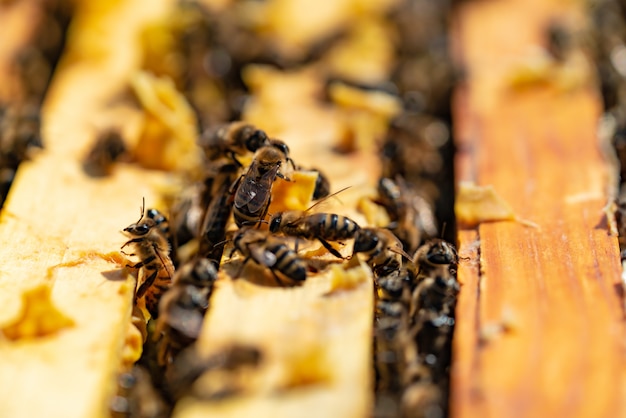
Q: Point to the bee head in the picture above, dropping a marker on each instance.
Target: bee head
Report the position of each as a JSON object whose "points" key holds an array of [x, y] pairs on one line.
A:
{"points": [[365, 240], [281, 146], [275, 222], [441, 254], [140, 228]]}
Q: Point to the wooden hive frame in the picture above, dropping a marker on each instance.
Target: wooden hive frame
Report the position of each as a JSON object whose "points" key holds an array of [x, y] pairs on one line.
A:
{"points": [[59, 227]]}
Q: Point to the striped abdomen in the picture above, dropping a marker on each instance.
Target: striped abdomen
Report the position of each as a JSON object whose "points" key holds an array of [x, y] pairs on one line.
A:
{"points": [[287, 261], [329, 226]]}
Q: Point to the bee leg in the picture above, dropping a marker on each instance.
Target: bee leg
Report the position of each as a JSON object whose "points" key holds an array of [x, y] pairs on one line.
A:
{"points": [[141, 263], [233, 187], [146, 285], [132, 241], [125, 253], [283, 177], [233, 156], [330, 248]]}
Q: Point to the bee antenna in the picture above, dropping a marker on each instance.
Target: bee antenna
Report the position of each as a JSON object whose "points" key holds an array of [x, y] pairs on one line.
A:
{"points": [[333, 195], [142, 209], [443, 229]]}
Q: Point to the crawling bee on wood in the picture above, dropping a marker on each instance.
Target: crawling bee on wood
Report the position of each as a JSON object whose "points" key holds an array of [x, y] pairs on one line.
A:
{"points": [[232, 140], [150, 244], [253, 192], [383, 249], [271, 252], [183, 306]]}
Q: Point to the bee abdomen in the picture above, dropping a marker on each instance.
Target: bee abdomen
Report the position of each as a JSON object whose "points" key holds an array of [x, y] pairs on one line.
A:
{"points": [[333, 227], [288, 263]]}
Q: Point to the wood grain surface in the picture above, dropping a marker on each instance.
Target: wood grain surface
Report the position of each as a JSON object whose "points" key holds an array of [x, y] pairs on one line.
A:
{"points": [[540, 320]]}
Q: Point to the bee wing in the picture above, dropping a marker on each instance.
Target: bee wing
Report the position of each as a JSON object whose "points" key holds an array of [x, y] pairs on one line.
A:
{"points": [[255, 193], [263, 256]]}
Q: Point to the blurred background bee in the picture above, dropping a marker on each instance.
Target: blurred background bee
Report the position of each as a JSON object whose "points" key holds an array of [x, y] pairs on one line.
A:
{"points": [[108, 147], [232, 140], [183, 306]]}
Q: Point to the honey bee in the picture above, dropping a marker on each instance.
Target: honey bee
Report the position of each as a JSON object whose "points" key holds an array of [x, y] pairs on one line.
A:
{"points": [[436, 257], [253, 192], [233, 139], [383, 249], [213, 229], [323, 227], [437, 294], [412, 217], [182, 307], [108, 148], [152, 247], [395, 287], [271, 252]]}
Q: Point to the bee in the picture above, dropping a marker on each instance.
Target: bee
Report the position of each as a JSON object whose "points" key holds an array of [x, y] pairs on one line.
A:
{"points": [[253, 191], [152, 247], [411, 215], [233, 139], [183, 306], [108, 148], [436, 257], [383, 249], [436, 294], [395, 287], [271, 252], [323, 227], [213, 229]]}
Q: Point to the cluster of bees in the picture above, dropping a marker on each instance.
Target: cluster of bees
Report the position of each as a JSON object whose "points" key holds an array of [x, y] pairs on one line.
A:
{"points": [[33, 65], [415, 293], [415, 272], [415, 307]]}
